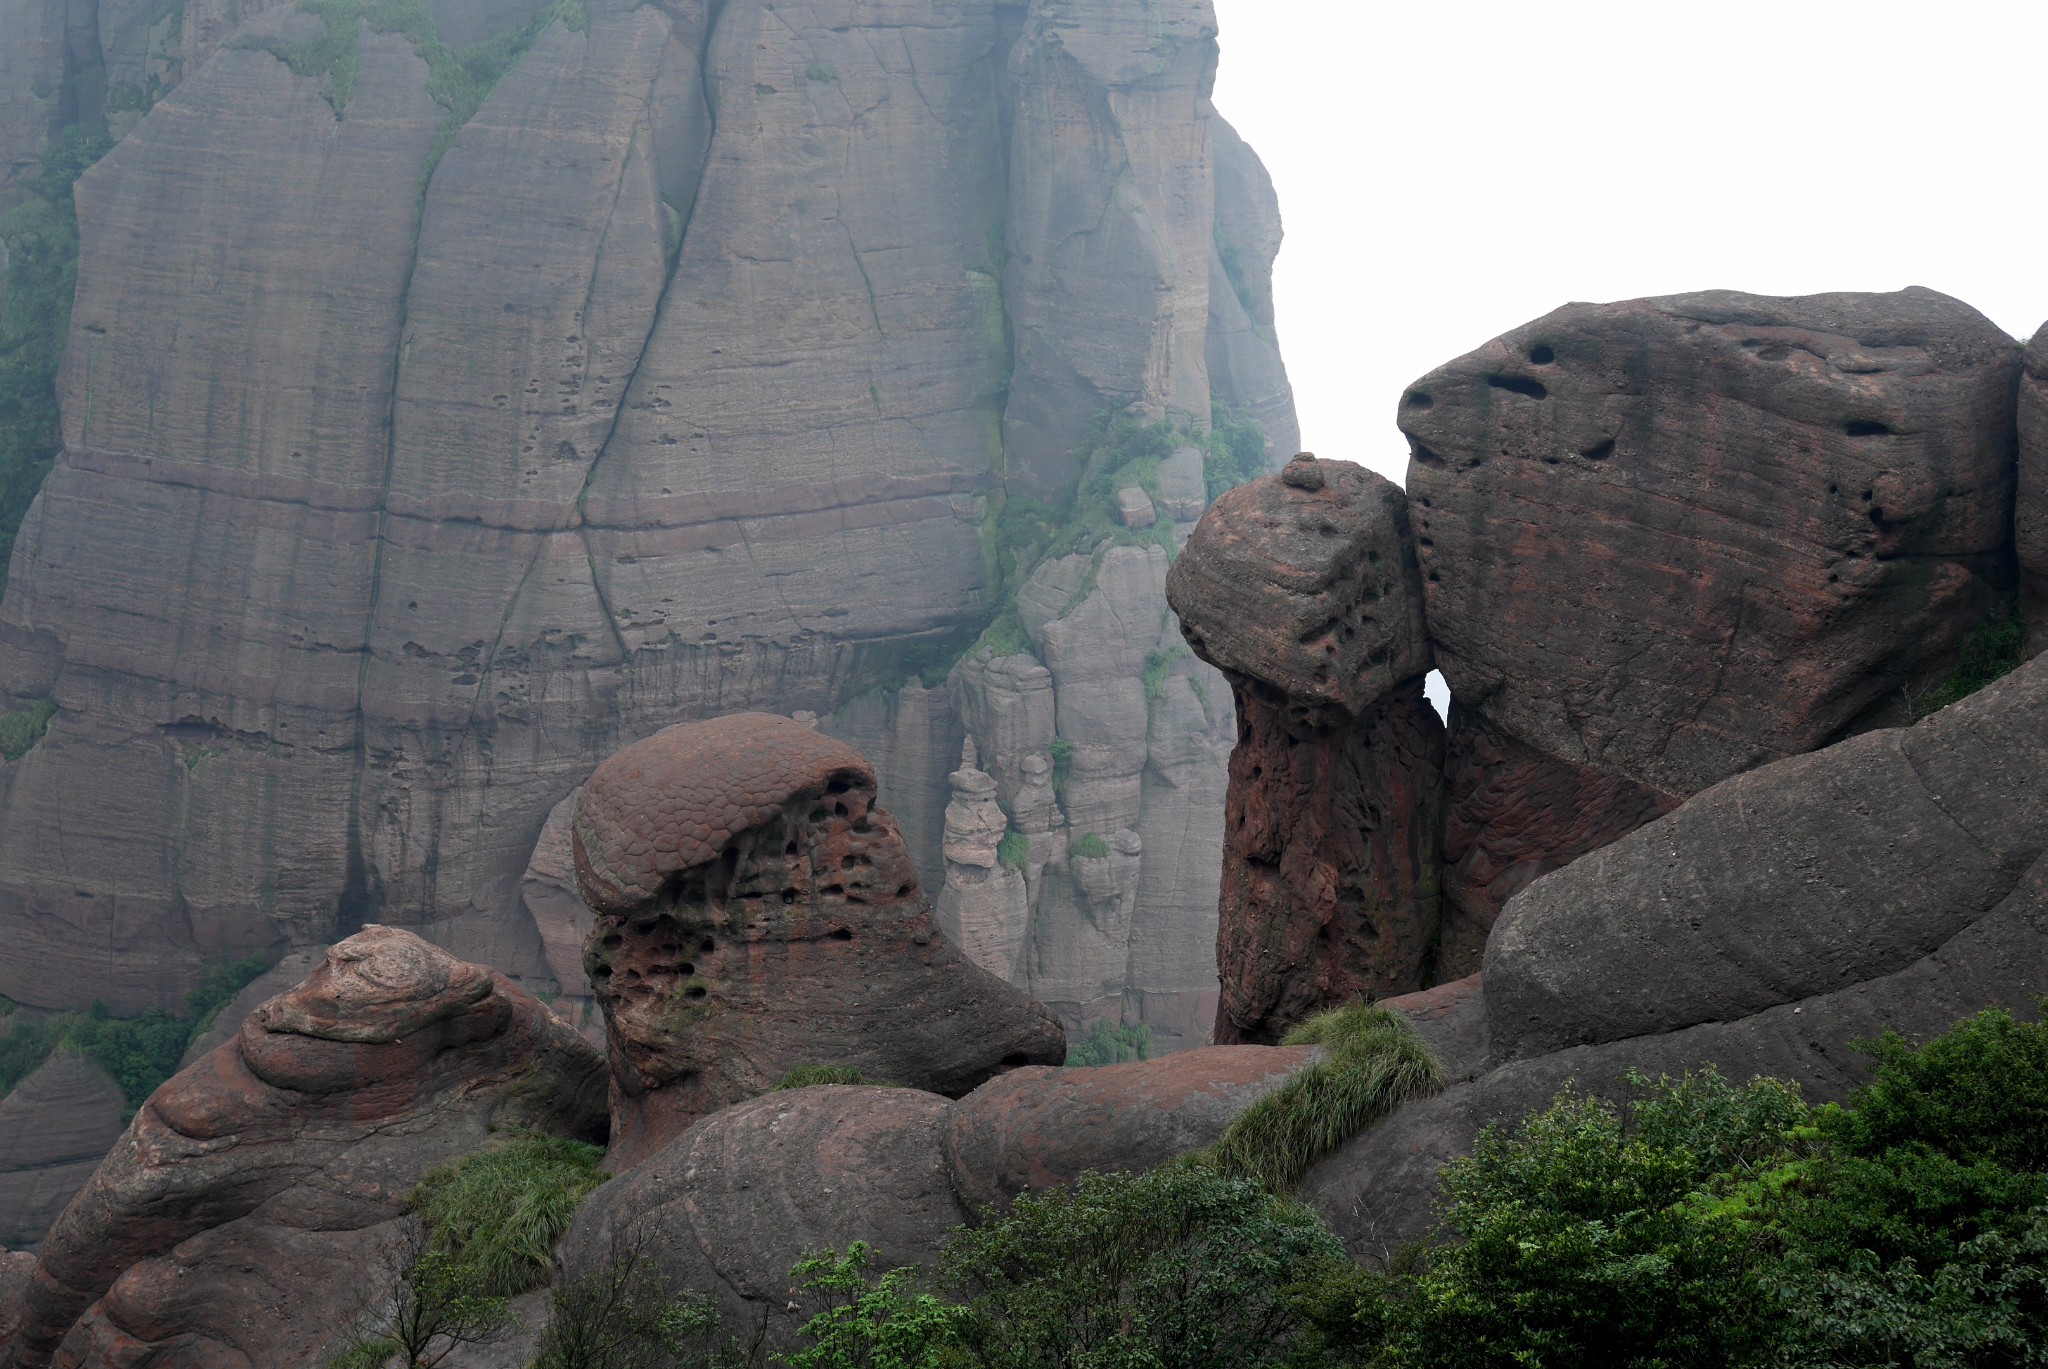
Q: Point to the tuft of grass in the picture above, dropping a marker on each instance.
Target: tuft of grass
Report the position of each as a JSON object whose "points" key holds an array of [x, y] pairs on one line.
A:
{"points": [[497, 1214], [810, 1076], [1372, 1063], [1090, 846], [1159, 664], [1014, 850], [1995, 648], [819, 71]]}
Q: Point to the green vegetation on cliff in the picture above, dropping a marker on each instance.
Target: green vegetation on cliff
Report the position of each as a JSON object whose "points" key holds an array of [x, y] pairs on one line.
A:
{"points": [[41, 240], [497, 1214], [138, 1053], [1110, 1043], [1994, 649]]}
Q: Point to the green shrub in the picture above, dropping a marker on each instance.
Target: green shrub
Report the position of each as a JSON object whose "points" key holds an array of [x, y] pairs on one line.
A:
{"points": [[1110, 1043], [810, 1076], [1234, 452], [1372, 1063], [1993, 649], [1577, 1238], [1062, 752], [1090, 846], [625, 1315], [24, 727], [1179, 1267], [498, 1213], [1014, 850], [434, 1311]]}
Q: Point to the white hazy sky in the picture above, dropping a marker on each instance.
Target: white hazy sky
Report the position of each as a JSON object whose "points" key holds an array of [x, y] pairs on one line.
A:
{"points": [[1450, 170]]}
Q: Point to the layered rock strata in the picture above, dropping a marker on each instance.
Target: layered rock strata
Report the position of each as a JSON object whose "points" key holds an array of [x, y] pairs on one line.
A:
{"points": [[256, 1204], [1303, 589], [463, 493], [1896, 881], [756, 911], [54, 1127]]}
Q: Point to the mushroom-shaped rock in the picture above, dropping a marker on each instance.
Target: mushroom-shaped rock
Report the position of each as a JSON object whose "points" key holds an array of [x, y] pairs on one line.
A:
{"points": [[2030, 512], [1302, 588], [1677, 538], [730, 1205], [1306, 582], [256, 1204], [757, 911], [1038, 1128]]}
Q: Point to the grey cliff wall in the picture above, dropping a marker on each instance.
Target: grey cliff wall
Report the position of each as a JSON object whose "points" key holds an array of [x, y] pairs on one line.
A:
{"points": [[414, 463]]}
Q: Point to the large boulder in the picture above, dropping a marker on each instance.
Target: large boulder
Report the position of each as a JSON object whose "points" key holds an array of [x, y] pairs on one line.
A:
{"points": [[1677, 538], [757, 911], [1303, 589], [1895, 881], [2030, 512], [256, 1204]]}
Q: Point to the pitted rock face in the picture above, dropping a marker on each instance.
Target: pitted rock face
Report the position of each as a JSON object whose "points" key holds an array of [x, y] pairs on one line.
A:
{"points": [[674, 801], [757, 912], [1677, 538], [1306, 584]]}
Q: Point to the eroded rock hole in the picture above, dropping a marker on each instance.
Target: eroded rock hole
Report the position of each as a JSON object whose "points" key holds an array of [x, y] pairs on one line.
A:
{"points": [[1423, 455], [708, 946], [1862, 427], [1520, 385], [842, 934], [1418, 400], [695, 991], [1599, 451], [1541, 355]]}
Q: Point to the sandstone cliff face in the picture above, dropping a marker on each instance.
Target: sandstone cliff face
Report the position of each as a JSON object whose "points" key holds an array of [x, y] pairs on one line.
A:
{"points": [[428, 498], [54, 1127], [256, 1204], [2030, 516]]}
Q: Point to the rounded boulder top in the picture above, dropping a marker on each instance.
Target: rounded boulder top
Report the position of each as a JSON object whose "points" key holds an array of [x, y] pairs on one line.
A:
{"points": [[674, 801]]}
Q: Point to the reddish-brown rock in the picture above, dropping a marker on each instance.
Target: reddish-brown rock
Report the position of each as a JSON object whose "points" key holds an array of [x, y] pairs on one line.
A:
{"points": [[257, 1200], [2030, 511], [1302, 588], [1512, 813], [1307, 583], [755, 912], [1330, 866], [1677, 538], [1039, 1128]]}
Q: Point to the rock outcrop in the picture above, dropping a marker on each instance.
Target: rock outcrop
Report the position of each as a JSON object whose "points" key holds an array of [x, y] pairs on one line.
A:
{"points": [[1895, 881], [2030, 512], [456, 494], [1677, 538], [1303, 589], [257, 1200], [756, 911], [54, 1128], [731, 1204]]}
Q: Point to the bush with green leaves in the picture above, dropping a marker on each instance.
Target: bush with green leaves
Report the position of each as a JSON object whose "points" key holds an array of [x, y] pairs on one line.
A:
{"points": [[625, 1315], [1110, 1043], [1993, 649], [498, 1213], [434, 1312], [1180, 1267]]}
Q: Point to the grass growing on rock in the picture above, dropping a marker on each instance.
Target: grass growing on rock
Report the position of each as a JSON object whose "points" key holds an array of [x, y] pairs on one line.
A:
{"points": [[1994, 649], [810, 1076], [497, 1214], [1373, 1062]]}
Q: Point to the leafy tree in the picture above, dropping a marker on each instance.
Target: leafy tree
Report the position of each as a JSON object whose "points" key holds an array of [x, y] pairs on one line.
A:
{"points": [[624, 1315], [890, 1324], [434, 1312]]}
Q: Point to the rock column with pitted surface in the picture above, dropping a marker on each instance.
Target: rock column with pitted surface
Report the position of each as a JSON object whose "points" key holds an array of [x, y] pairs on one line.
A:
{"points": [[756, 911], [1303, 589]]}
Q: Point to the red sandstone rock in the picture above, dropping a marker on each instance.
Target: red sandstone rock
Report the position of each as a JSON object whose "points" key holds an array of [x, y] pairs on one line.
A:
{"points": [[1512, 813], [1307, 583], [255, 1204], [1677, 538], [1330, 867], [756, 912], [1038, 1128]]}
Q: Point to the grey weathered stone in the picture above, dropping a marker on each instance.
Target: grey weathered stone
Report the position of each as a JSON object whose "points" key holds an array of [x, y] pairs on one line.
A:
{"points": [[2030, 512], [54, 1127]]}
